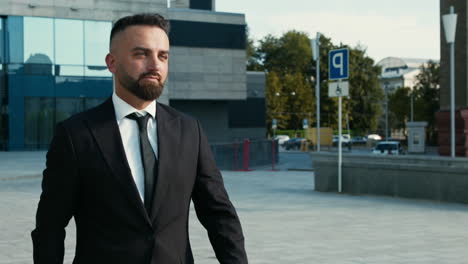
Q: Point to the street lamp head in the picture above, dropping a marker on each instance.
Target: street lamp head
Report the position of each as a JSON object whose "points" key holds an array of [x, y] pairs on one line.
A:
{"points": [[450, 25]]}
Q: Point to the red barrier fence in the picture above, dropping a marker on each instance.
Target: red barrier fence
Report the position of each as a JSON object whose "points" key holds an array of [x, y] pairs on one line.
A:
{"points": [[241, 155]]}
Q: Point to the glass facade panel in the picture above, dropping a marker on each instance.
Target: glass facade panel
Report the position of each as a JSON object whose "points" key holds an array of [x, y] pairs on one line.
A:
{"points": [[96, 42], [15, 46], [38, 40], [38, 69], [2, 52], [97, 71], [66, 107], [39, 122], [55, 68], [43, 113], [68, 70], [69, 42], [3, 111], [92, 102]]}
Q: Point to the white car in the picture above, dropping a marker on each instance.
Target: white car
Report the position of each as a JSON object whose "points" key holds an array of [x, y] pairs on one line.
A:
{"points": [[345, 139], [374, 137], [388, 148], [281, 139]]}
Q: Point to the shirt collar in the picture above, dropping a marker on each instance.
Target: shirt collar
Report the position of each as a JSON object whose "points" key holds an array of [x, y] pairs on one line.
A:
{"points": [[122, 108]]}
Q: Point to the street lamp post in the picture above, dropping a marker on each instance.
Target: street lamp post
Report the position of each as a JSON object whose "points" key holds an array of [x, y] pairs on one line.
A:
{"points": [[450, 25], [316, 54], [412, 106], [386, 110]]}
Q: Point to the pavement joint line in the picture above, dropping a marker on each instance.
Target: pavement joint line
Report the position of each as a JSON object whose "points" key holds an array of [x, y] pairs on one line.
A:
{"points": [[298, 169], [23, 177]]}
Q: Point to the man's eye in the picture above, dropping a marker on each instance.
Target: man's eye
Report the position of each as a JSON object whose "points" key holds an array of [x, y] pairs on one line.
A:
{"points": [[139, 54]]}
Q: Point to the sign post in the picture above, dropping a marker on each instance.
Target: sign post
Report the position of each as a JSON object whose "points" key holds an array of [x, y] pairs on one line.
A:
{"points": [[305, 123], [338, 71], [274, 125]]}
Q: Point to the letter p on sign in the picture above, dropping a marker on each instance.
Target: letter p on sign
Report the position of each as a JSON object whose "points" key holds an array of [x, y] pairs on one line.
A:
{"points": [[338, 64]]}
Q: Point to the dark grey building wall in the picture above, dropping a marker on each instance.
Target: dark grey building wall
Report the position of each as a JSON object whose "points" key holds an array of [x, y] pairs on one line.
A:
{"points": [[461, 57], [213, 116], [201, 4]]}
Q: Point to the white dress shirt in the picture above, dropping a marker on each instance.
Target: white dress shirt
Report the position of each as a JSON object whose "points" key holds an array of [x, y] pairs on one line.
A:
{"points": [[131, 139]]}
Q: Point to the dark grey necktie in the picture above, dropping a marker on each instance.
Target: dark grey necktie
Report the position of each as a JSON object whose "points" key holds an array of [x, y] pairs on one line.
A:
{"points": [[150, 164]]}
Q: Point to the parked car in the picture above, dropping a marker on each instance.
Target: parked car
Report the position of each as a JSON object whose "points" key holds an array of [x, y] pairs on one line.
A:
{"points": [[345, 139], [359, 140], [281, 139], [293, 143], [388, 148]]}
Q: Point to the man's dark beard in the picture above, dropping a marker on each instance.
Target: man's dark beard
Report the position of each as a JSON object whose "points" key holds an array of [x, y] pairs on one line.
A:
{"points": [[147, 92]]}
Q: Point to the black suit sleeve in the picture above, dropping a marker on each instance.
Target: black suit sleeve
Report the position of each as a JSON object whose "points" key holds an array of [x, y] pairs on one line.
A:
{"points": [[58, 200], [214, 209]]}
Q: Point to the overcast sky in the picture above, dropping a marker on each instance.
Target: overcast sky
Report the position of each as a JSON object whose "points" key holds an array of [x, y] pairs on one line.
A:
{"points": [[400, 28]]}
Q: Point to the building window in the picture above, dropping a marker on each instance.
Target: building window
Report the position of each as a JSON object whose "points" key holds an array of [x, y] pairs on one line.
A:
{"points": [[69, 42], [38, 40], [96, 42], [2, 52]]}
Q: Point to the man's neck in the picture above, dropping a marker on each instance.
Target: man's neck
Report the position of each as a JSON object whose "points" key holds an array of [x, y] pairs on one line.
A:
{"points": [[131, 99]]}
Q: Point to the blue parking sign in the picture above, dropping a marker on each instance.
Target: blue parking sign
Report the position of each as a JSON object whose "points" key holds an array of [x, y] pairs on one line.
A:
{"points": [[338, 64]]}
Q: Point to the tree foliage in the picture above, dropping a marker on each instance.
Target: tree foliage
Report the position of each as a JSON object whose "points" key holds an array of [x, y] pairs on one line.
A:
{"points": [[365, 93], [399, 106], [276, 104], [290, 91], [426, 98]]}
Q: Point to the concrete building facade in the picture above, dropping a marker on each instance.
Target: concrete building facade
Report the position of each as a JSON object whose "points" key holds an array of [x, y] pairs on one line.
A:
{"points": [[399, 72], [52, 63]]}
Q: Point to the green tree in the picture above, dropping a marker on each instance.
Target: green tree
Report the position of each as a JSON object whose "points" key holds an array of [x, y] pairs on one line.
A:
{"points": [[426, 98], [399, 104], [275, 103], [300, 100], [364, 104], [289, 57], [250, 52], [288, 54]]}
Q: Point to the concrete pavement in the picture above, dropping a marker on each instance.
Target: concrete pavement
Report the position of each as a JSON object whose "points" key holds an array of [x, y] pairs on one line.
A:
{"points": [[21, 164], [285, 221]]}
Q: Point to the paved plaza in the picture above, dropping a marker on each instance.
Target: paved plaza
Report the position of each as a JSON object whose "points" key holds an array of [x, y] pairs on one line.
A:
{"points": [[285, 221]]}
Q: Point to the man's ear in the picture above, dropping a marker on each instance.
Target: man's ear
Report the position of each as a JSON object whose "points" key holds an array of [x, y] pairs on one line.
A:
{"points": [[110, 61]]}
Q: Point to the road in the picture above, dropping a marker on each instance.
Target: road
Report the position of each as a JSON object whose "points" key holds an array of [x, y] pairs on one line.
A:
{"points": [[286, 221]]}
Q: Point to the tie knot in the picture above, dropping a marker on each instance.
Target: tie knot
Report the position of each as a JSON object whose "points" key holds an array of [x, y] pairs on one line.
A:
{"points": [[142, 121]]}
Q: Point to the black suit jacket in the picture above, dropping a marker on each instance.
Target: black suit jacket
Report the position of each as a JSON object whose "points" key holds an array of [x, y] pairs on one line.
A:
{"points": [[87, 176]]}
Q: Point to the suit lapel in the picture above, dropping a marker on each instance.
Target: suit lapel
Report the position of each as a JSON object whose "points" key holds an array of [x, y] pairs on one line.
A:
{"points": [[168, 141], [104, 128]]}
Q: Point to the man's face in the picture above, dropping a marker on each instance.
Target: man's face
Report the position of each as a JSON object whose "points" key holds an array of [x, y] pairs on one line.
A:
{"points": [[139, 59]]}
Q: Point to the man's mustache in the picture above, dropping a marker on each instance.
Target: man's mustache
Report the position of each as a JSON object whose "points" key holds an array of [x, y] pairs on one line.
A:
{"points": [[150, 74]]}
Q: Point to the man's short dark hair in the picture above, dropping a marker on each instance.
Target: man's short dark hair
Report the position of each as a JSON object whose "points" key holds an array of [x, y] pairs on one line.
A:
{"points": [[143, 19]]}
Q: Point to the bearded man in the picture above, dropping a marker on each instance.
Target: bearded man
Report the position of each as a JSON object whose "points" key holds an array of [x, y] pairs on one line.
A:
{"points": [[127, 170]]}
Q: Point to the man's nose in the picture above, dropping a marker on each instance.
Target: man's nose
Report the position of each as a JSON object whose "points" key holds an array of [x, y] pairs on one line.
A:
{"points": [[153, 63]]}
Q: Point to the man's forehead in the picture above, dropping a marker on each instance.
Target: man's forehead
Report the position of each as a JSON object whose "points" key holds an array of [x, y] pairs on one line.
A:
{"points": [[132, 32], [137, 29]]}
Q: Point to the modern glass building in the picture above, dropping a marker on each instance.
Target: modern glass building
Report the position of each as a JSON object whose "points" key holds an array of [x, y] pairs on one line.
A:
{"points": [[51, 68], [52, 65]]}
